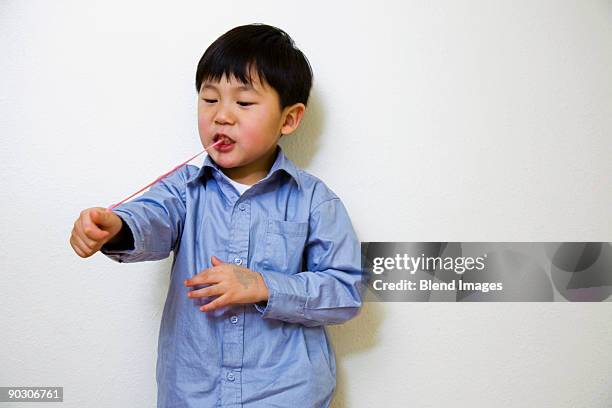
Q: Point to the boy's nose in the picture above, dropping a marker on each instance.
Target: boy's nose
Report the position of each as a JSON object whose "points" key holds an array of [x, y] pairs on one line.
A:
{"points": [[224, 116]]}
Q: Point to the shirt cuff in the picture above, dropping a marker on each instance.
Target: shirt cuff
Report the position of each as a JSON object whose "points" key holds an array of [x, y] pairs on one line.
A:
{"points": [[283, 303]]}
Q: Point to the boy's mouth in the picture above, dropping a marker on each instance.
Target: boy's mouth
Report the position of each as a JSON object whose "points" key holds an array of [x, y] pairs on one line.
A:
{"points": [[221, 136]]}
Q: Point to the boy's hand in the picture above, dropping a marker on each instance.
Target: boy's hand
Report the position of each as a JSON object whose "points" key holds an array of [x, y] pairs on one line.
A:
{"points": [[232, 284], [94, 227]]}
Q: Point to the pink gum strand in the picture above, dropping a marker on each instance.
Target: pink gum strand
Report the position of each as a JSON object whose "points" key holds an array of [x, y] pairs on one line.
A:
{"points": [[163, 175]]}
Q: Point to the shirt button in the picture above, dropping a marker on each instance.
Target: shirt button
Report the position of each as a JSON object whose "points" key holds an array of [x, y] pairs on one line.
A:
{"points": [[237, 261], [242, 207], [230, 376], [234, 319]]}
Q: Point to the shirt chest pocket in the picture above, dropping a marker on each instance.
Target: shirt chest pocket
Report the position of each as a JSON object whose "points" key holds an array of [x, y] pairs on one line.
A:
{"points": [[284, 245]]}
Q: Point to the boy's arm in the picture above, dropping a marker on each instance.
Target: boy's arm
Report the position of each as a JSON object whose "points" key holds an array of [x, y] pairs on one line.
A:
{"points": [[154, 220], [330, 291]]}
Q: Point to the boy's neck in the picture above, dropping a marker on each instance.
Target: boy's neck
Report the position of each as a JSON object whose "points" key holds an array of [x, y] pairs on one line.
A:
{"points": [[252, 172]]}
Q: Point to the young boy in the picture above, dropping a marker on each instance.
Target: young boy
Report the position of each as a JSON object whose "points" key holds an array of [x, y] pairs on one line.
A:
{"points": [[265, 254]]}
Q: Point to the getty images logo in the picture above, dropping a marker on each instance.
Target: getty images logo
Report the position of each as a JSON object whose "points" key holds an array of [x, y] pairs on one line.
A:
{"points": [[487, 271], [412, 264]]}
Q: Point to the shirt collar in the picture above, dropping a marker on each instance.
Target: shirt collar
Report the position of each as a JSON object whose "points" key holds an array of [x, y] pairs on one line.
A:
{"points": [[281, 163]]}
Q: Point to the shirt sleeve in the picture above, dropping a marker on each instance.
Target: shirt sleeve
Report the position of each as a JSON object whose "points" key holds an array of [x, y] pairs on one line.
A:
{"points": [[331, 290], [155, 219]]}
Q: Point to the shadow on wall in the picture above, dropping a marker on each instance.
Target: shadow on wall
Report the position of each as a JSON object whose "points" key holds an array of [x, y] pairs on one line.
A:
{"points": [[359, 333], [302, 145]]}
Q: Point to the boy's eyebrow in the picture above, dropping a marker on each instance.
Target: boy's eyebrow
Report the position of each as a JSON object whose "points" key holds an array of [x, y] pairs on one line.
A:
{"points": [[245, 87]]}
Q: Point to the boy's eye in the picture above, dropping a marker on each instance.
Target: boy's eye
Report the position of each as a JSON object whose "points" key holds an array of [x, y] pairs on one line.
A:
{"points": [[245, 103], [209, 100]]}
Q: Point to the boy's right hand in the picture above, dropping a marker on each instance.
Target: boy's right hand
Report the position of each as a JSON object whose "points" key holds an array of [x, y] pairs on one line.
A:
{"points": [[94, 227]]}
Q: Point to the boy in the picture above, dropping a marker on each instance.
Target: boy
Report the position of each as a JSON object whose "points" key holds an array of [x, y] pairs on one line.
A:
{"points": [[265, 254]]}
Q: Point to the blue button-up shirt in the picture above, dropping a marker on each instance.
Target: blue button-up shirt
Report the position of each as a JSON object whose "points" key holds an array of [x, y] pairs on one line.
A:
{"points": [[292, 229]]}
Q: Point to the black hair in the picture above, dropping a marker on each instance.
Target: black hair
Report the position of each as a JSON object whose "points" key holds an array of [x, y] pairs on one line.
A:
{"points": [[268, 50]]}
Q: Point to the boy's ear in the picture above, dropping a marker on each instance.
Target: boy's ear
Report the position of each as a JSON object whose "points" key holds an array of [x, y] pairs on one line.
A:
{"points": [[292, 117]]}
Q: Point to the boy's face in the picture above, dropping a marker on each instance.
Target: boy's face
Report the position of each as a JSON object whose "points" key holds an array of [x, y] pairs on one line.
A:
{"points": [[249, 119]]}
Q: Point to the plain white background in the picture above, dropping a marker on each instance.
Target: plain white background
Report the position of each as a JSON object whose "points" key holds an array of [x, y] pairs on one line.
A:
{"points": [[433, 121]]}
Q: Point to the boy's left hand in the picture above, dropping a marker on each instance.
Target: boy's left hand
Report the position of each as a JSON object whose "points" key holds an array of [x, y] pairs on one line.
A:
{"points": [[231, 283]]}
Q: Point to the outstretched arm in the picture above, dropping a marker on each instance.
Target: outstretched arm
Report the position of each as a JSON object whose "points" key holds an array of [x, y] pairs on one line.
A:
{"points": [[155, 219]]}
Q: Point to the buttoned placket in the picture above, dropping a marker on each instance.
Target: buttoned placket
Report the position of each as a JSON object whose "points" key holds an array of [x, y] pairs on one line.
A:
{"points": [[233, 332]]}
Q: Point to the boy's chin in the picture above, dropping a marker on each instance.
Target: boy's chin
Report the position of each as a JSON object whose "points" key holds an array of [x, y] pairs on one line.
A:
{"points": [[225, 161]]}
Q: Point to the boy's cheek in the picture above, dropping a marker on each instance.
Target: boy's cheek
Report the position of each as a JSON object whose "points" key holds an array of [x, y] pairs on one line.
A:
{"points": [[204, 122], [202, 129]]}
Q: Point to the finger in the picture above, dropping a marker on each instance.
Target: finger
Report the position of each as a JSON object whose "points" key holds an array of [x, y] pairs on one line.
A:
{"points": [[76, 249], [213, 290], [81, 249], [78, 231], [215, 304], [216, 261], [101, 217], [82, 244], [92, 229], [89, 250], [207, 276]]}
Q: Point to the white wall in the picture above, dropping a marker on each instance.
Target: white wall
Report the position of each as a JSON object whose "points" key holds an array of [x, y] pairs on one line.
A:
{"points": [[433, 121]]}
